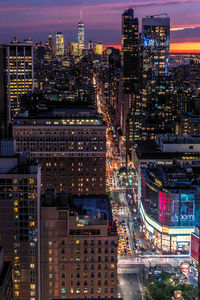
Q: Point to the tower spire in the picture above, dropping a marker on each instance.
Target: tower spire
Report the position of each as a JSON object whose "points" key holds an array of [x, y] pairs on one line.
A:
{"points": [[81, 14]]}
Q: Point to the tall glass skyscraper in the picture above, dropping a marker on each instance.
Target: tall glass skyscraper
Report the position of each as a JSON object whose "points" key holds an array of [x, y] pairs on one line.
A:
{"points": [[81, 35], [156, 37], [130, 51], [155, 43], [131, 78], [60, 46]]}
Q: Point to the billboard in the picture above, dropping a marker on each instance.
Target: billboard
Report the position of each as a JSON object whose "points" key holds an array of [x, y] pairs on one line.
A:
{"points": [[194, 247], [183, 209], [187, 209], [164, 215]]}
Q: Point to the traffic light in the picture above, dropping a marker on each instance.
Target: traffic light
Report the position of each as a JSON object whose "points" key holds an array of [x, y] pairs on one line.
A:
{"points": [[129, 181]]}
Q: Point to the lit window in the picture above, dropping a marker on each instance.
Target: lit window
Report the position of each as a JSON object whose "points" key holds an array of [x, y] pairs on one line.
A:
{"points": [[112, 266], [32, 286], [31, 180]]}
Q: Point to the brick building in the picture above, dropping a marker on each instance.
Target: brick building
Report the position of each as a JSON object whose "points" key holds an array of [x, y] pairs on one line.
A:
{"points": [[70, 144], [78, 247]]}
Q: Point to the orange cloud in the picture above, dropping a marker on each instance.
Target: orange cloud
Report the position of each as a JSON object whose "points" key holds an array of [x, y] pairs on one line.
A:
{"points": [[187, 47]]}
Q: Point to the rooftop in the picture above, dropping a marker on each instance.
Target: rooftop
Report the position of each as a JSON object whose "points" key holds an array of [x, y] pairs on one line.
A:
{"points": [[178, 138], [169, 147], [85, 207], [178, 175], [67, 115]]}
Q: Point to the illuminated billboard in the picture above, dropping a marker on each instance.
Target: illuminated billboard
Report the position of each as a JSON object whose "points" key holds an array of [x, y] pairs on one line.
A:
{"points": [[183, 209], [164, 215], [194, 247]]}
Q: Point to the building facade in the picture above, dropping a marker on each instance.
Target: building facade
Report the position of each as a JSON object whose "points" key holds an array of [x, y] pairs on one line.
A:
{"points": [[131, 69], [18, 66], [19, 222], [6, 285], [156, 38], [170, 205], [70, 145], [3, 95], [60, 46], [78, 247], [130, 51], [81, 36]]}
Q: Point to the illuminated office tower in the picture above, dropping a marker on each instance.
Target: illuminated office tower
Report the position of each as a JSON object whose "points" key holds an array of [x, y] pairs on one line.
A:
{"points": [[3, 94], [17, 72], [98, 48], [60, 47], [81, 35], [75, 49], [131, 78], [19, 219], [50, 42], [155, 40], [156, 36], [90, 45], [130, 51]]}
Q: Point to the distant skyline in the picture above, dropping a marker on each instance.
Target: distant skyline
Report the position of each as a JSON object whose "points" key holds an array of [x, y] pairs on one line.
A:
{"points": [[37, 18]]}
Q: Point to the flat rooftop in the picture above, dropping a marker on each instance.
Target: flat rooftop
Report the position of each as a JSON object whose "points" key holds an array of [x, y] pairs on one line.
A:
{"points": [[178, 138], [178, 175], [86, 207], [61, 116]]}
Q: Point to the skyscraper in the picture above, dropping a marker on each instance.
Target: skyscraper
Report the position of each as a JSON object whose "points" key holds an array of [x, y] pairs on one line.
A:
{"points": [[81, 35], [60, 46], [98, 48], [131, 77], [50, 42], [155, 40], [130, 51], [19, 219], [17, 74], [3, 94], [156, 36]]}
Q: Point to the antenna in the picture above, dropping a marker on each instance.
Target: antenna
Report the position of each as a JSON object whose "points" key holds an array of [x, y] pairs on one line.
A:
{"points": [[81, 14]]}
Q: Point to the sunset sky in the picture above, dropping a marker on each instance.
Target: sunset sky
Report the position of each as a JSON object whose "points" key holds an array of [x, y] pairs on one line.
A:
{"points": [[102, 18]]}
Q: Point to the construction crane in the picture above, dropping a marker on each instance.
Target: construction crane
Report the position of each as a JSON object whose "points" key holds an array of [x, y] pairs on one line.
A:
{"points": [[164, 14]]}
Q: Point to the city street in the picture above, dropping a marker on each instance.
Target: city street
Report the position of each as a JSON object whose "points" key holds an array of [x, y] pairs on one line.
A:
{"points": [[126, 283], [131, 267]]}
